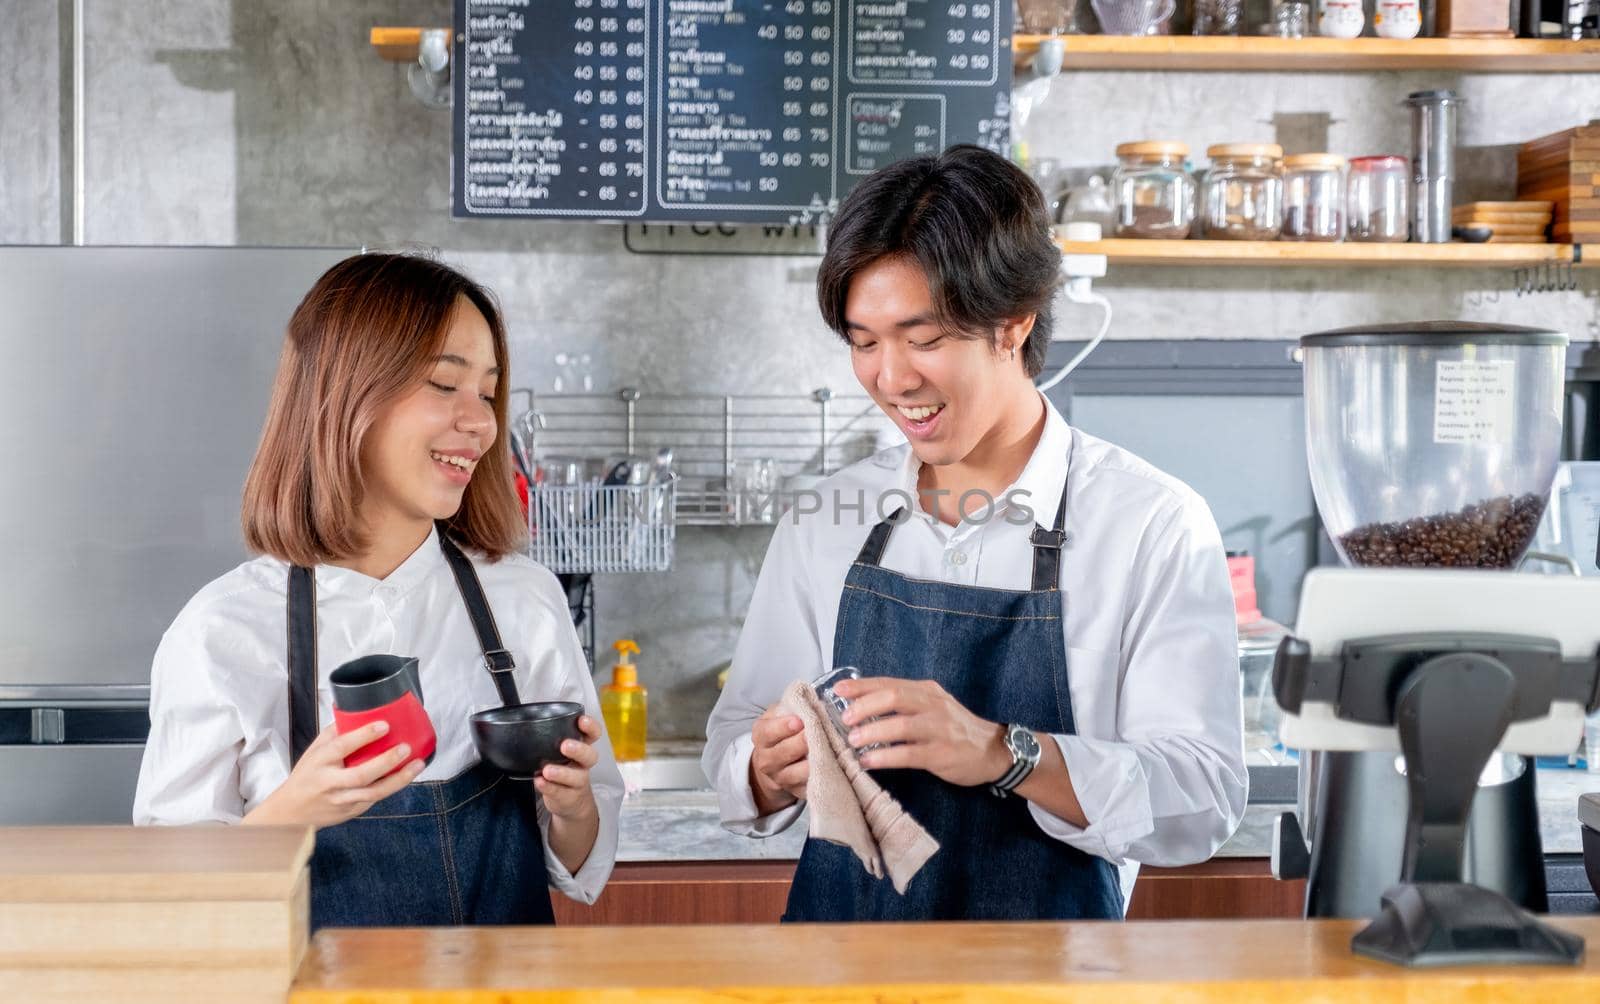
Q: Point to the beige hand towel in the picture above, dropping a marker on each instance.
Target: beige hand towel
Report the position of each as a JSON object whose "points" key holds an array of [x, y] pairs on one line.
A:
{"points": [[847, 806]]}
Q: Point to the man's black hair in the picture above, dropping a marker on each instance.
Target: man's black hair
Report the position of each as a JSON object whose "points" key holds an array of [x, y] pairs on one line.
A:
{"points": [[974, 223]]}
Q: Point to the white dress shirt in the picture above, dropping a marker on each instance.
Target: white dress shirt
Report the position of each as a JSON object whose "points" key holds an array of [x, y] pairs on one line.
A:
{"points": [[219, 716], [1152, 655]]}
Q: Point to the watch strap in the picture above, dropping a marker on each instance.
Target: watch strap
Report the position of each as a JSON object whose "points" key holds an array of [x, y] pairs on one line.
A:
{"points": [[1021, 767]]}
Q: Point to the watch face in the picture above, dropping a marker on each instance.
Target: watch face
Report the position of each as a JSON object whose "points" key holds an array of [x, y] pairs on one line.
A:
{"points": [[1025, 741]]}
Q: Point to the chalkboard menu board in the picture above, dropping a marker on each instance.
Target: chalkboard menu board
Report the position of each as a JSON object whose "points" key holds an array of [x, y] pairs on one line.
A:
{"points": [[715, 110]]}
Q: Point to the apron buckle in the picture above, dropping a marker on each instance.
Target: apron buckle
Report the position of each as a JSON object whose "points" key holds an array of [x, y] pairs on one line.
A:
{"points": [[1056, 539]]}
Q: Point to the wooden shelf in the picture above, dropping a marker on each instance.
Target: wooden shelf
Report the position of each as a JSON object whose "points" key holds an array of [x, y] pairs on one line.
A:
{"points": [[1198, 52], [397, 45], [1126, 251]]}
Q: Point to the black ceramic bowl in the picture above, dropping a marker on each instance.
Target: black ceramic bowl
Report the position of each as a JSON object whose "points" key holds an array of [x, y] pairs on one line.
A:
{"points": [[522, 738]]}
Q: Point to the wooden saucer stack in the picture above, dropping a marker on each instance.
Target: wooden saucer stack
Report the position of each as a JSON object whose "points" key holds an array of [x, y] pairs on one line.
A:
{"points": [[1564, 168], [1508, 222]]}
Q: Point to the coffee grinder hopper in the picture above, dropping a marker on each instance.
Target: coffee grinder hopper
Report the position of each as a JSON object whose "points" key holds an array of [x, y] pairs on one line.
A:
{"points": [[1446, 667]]}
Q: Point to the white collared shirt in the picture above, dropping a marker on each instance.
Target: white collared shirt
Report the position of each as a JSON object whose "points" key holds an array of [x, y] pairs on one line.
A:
{"points": [[219, 716], [1158, 759]]}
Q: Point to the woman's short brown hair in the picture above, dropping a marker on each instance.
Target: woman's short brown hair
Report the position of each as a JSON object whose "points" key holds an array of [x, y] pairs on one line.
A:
{"points": [[365, 334]]}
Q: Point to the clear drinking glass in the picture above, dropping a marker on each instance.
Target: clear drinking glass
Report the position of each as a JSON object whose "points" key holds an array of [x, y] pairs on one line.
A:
{"points": [[1217, 17], [1292, 19], [836, 705], [755, 490], [1048, 17], [1132, 17]]}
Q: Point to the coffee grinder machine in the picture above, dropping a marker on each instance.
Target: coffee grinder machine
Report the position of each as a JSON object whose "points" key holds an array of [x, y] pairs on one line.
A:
{"points": [[1432, 448]]}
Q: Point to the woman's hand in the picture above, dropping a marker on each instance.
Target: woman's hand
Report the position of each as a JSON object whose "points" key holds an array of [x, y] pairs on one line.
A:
{"points": [[574, 817], [322, 791], [932, 730], [565, 787], [778, 766]]}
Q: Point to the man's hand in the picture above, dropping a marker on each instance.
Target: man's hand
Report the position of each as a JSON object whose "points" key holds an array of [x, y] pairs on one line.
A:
{"points": [[930, 730], [778, 768]]}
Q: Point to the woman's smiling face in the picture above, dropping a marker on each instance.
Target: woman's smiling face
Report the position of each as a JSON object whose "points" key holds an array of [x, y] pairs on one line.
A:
{"points": [[419, 456]]}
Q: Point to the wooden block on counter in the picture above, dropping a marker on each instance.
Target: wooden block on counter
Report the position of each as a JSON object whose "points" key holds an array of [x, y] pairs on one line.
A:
{"points": [[1503, 228], [1580, 233], [1562, 194], [1520, 206], [1560, 140], [1499, 220], [133, 913]]}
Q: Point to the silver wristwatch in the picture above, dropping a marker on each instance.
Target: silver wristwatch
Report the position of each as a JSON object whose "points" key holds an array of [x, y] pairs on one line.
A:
{"points": [[1024, 747]]}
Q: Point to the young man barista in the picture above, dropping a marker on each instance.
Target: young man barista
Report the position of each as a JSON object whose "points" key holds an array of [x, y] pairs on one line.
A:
{"points": [[1046, 634]]}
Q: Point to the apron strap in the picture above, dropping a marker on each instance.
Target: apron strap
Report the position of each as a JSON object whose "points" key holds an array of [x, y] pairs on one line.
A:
{"points": [[1047, 544], [302, 617], [878, 539], [495, 657]]}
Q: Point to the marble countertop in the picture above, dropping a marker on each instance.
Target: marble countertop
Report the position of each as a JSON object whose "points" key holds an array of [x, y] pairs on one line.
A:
{"points": [[683, 825]]}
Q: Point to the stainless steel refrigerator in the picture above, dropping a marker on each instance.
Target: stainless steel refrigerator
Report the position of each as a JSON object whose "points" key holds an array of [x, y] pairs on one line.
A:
{"points": [[136, 383]]}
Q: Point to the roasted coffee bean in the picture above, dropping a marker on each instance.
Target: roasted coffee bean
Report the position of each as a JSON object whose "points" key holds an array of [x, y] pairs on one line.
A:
{"points": [[1492, 534]]}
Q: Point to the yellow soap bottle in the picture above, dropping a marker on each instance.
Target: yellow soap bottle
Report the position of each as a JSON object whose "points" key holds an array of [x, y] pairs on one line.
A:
{"points": [[622, 703]]}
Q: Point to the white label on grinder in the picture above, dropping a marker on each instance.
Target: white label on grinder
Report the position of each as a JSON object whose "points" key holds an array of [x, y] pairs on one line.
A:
{"points": [[1472, 401]]}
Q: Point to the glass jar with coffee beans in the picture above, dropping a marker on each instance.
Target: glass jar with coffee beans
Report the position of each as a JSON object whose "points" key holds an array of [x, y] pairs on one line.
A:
{"points": [[1242, 196], [1152, 191]]}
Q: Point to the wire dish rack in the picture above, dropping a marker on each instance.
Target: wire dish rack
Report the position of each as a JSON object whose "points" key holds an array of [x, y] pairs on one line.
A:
{"points": [[601, 528], [736, 459]]}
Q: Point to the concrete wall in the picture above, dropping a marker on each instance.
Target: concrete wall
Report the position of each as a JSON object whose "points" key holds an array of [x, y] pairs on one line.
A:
{"points": [[271, 122]]}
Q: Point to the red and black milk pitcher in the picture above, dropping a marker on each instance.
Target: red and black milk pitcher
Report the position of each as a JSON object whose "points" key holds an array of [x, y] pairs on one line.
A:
{"points": [[386, 687]]}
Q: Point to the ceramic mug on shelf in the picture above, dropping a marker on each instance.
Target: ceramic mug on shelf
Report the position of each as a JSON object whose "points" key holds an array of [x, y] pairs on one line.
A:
{"points": [[1398, 18]]}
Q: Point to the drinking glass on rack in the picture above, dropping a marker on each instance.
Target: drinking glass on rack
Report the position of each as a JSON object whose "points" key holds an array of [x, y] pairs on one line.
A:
{"points": [[557, 480], [755, 487]]}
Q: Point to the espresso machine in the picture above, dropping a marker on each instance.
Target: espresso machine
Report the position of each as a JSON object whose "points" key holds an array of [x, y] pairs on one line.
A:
{"points": [[1419, 681]]}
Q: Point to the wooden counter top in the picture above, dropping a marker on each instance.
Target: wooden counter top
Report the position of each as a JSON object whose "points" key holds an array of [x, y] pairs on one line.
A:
{"points": [[1238, 962]]}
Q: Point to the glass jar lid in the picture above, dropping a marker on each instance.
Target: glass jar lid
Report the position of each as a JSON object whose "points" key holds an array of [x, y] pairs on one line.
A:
{"points": [[1313, 162], [1245, 151], [1153, 148], [1382, 162]]}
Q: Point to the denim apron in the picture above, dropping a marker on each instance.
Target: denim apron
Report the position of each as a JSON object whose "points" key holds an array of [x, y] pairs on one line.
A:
{"points": [[462, 851], [1000, 652]]}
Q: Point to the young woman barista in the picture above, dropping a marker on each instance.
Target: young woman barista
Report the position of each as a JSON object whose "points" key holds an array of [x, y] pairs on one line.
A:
{"points": [[382, 508]]}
